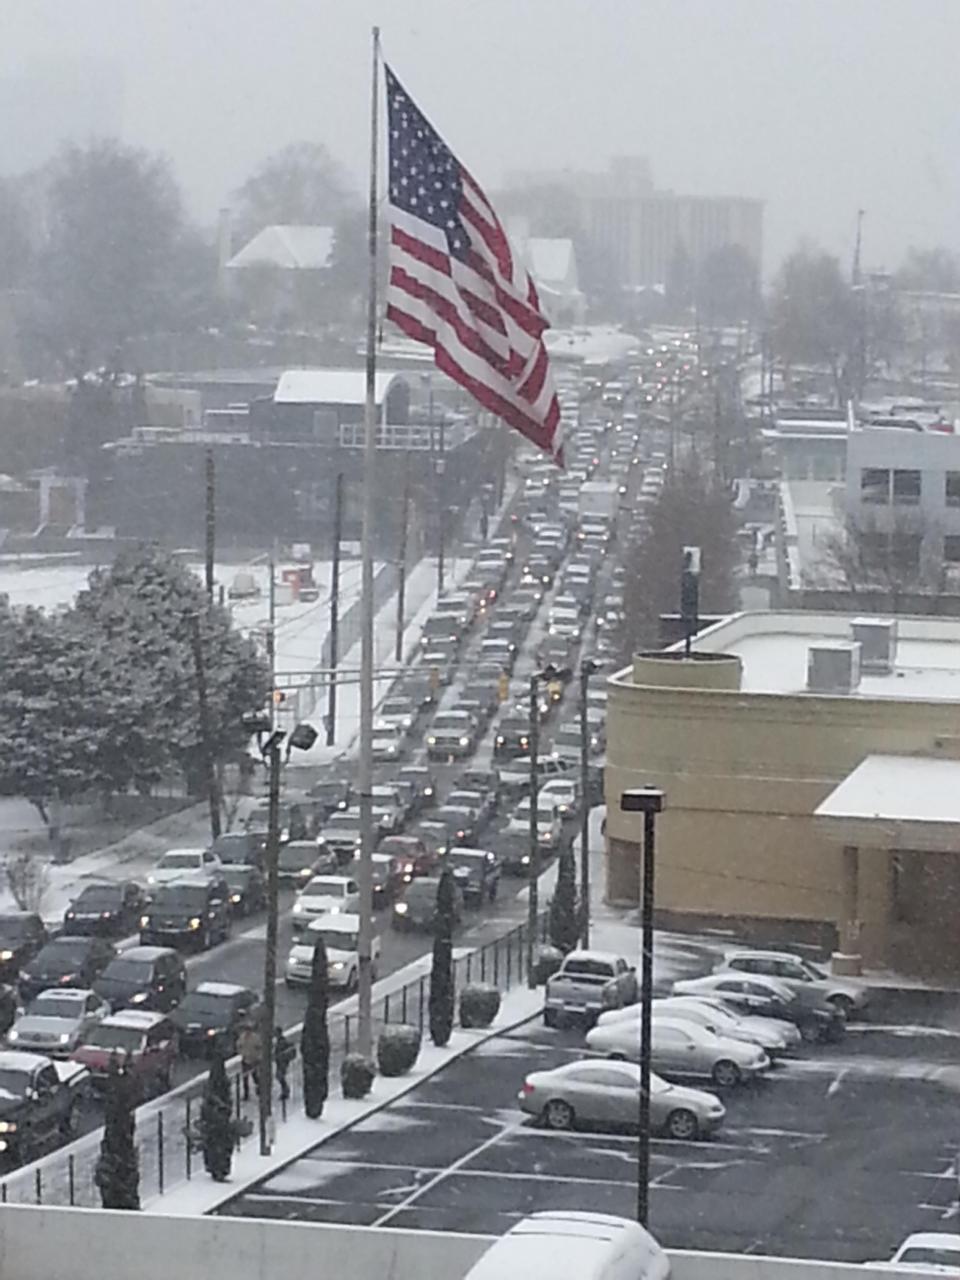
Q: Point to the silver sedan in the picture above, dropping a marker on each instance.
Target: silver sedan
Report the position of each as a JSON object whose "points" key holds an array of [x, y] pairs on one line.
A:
{"points": [[608, 1093]]}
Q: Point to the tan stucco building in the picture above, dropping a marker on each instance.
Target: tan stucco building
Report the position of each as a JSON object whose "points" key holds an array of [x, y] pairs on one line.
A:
{"points": [[788, 812]]}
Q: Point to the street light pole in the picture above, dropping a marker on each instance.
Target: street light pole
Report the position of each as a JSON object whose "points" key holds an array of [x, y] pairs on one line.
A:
{"points": [[533, 870], [649, 802], [265, 1098], [587, 669]]}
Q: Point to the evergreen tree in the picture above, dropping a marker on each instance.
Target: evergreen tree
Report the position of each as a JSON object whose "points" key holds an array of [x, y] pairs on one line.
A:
{"points": [[564, 917], [315, 1038], [216, 1122], [118, 1169], [442, 994]]}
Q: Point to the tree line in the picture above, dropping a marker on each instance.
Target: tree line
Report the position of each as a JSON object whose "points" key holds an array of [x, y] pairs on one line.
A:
{"points": [[102, 697], [97, 249]]}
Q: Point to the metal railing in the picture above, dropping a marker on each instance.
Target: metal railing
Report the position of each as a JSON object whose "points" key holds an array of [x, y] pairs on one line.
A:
{"points": [[167, 1158]]}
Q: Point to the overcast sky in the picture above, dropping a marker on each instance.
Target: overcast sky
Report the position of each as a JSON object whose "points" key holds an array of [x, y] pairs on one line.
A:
{"points": [[816, 106]]}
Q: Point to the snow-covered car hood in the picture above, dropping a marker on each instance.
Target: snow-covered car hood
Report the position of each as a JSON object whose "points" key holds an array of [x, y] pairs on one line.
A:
{"points": [[29, 1026]]}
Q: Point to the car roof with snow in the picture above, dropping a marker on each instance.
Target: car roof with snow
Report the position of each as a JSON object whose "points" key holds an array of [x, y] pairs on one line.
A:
{"points": [[225, 989]]}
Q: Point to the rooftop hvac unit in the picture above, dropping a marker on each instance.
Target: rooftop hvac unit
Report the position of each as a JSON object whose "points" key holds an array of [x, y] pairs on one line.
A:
{"points": [[877, 638], [833, 668]]}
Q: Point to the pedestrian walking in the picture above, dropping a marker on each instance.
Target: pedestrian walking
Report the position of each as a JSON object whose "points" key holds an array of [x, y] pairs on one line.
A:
{"points": [[283, 1055], [248, 1047]]}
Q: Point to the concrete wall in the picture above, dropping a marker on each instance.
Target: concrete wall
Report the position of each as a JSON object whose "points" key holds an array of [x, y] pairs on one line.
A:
{"points": [[742, 775], [96, 1244], [91, 1244]]}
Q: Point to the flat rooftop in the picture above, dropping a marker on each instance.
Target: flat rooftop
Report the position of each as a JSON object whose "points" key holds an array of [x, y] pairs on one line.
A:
{"points": [[773, 648]]}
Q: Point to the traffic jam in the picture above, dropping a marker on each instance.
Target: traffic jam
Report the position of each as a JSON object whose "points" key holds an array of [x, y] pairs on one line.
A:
{"points": [[453, 737]]}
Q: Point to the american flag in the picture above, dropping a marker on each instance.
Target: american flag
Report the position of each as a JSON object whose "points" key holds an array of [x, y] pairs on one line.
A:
{"points": [[456, 284]]}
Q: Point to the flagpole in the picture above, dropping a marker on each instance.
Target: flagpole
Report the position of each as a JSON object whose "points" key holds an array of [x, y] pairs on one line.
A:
{"points": [[365, 763]]}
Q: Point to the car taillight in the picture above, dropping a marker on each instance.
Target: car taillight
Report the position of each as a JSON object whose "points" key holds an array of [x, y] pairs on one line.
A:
{"points": [[527, 1088]]}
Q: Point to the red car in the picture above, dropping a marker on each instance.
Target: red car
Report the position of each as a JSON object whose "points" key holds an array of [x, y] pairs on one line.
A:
{"points": [[414, 857], [146, 1044]]}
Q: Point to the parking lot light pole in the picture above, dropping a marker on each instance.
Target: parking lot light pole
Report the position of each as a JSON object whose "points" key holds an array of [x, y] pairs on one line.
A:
{"points": [[649, 802], [587, 669]]}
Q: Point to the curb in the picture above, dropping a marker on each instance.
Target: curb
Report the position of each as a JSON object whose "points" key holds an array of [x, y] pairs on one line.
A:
{"points": [[488, 1033]]}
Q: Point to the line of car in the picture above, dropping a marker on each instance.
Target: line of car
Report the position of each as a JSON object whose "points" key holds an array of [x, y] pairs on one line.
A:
{"points": [[729, 1028]]}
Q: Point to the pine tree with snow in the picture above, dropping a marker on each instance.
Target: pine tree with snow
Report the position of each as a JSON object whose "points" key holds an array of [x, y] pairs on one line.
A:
{"points": [[118, 1168], [564, 917], [216, 1122], [315, 1037], [442, 993]]}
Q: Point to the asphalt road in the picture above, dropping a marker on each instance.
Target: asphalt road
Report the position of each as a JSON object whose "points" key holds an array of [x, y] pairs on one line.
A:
{"points": [[837, 1155]]}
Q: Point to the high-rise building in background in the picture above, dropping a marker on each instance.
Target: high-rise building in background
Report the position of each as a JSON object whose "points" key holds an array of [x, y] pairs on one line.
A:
{"points": [[644, 232]]}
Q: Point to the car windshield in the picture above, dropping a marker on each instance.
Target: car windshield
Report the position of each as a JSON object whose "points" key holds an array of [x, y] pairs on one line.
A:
{"points": [[567, 737], [181, 897], [171, 860], [203, 1004], [395, 707], [99, 899], [13, 1082], [327, 790], [344, 822], [929, 1255], [451, 720], [54, 1006], [333, 939], [129, 1039], [466, 859], [122, 970], [13, 928], [587, 968], [232, 849], [295, 855], [238, 875], [327, 888], [64, 951]]}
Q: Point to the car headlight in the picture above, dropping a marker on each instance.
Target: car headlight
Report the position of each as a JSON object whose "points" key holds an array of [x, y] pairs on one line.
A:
{"points": [[235, 898], [464, 741], [65, 1038], [337, 965], [211, 1031], [8, 1126], [24, 975], [431, 741], [144, 922], [104, 915], [428, 792], [70, 915], [500, 739], [408, 869], [298, 908], [400, 908], [334, 910], [341, 805], [68, 977], [138, 998], [194, 922], [12, 1036]]}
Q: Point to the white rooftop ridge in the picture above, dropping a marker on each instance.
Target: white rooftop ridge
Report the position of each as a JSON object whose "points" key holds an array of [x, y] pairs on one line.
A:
{"points": [[291, 248]]}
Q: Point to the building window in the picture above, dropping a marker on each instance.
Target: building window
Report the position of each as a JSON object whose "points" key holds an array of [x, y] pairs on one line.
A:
{"points": [[952, 488], [906, 488], [875, 485], [905, 552]]}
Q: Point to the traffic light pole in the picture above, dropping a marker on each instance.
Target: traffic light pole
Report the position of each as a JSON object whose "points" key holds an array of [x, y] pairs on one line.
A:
{"points": [[270, 955]]}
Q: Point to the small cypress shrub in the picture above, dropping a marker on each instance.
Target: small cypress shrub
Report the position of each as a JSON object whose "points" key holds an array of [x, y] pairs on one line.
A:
{"points": [[397, 1049], [356, 1076], [479, 1005]]}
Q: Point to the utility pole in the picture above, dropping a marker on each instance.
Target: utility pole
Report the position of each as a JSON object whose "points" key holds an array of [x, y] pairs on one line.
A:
{"points": [[402, 574], [270, 955], [441, 500], [271, 636], [365, 755], [211, 521], [534, 868], [206, 745], [335, 608]]}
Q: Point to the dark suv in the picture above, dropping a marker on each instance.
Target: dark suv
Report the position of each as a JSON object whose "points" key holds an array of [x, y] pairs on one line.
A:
{"points": [[65, 962], [110, 910], [21, 936], [477, 873], [188, 913], [209, 1017], [240, 848], [144, 978]]}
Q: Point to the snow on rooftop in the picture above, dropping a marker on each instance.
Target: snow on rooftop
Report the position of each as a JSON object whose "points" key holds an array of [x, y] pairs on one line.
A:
{"points": [[898, 789], [329, 386], [296, 247], [773, 649]]}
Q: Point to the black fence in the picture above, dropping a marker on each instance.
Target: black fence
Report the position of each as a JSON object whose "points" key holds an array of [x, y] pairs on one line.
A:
{"points": [[166, 1127]]}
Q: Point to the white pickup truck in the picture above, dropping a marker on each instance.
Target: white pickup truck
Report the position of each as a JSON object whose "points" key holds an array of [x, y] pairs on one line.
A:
{"points": [[586, 984]]}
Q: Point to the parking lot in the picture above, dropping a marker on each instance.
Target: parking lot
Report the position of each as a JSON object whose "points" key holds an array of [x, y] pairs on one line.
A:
{"points": [[838, 1154]]}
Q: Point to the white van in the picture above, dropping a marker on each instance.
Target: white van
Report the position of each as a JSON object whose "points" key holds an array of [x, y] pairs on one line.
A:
{"points": [[573, 1246]]}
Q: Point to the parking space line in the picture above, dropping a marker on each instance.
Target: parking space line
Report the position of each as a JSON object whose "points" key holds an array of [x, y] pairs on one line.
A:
{"points": [[444, 1106], [451, 1168]]}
